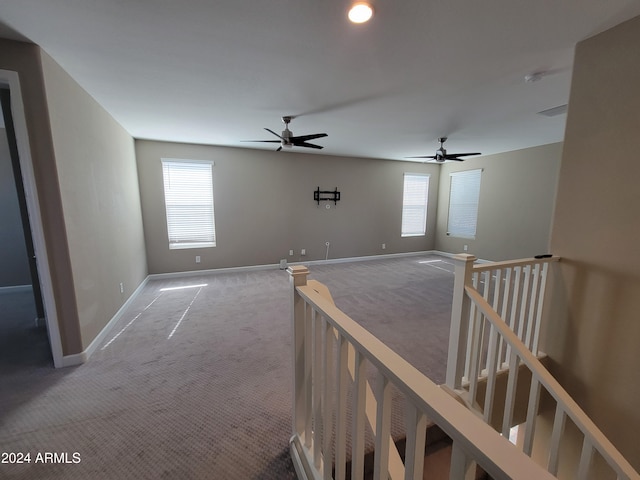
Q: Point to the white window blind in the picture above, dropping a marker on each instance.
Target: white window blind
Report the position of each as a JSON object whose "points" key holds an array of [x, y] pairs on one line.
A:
{"points": [[414, 204], [463, 203], [188, 195]]}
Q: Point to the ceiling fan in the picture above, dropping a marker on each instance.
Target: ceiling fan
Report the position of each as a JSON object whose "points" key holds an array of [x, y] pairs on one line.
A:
{"points": [[442, 155], [288, 140]]}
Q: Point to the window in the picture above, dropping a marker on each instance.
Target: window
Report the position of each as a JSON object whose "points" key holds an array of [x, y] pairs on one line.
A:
{"points": [[414, 204], [188, 197], [463, 203]]}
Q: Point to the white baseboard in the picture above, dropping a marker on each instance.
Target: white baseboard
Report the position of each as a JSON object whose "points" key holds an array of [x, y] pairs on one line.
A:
{"points": [[15, 289], [192, 273], [274, 266], [82, 357], [366, 258], [74, 360]]}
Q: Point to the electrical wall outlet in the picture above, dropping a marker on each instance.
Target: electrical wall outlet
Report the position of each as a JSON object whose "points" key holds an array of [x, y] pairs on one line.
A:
{"points": [[291, 253], [384, 246], [303, 251], [465, 248], [121, 287], [197, 258]]}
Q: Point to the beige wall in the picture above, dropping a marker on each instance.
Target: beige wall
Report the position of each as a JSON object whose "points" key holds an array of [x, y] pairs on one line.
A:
{"points": [[97, 174], [14, 267], [517, 194], [264, 206], [25, 59], [595, 327], [84, 167]]}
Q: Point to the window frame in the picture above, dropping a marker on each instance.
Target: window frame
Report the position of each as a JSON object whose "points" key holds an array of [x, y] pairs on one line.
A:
{"points": [[406, 206], [205, 200]]}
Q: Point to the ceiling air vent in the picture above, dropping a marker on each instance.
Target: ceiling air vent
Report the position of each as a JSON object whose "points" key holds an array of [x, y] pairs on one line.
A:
{"points": [[555, 111]]}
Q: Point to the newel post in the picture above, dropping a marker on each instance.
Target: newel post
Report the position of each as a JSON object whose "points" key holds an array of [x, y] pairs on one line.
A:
{"points": [[459, 331], [297, 278]]}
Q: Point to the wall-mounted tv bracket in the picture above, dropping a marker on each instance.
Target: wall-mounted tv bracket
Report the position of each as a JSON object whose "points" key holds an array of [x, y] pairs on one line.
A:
{"points": [[326, 195]]}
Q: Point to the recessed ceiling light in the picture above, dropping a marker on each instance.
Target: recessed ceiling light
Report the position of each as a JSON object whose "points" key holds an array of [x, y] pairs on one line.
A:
{"points": [[360, 12]]}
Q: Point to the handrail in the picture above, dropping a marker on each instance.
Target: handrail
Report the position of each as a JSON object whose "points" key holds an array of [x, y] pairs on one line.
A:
{"points": [[521, 262], [473, 440], [593, 436]]}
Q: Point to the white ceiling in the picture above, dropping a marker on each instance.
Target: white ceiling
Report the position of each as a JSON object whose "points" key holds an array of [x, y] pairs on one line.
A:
{"points": [[219, 71]]}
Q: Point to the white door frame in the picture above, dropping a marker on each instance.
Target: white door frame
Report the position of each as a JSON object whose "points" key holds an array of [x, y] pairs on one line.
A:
{"points": [[11, 79]]}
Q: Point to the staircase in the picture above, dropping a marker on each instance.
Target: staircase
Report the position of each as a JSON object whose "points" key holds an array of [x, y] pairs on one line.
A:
{"points": [[437, 457], [348, 386], [496, 367]]}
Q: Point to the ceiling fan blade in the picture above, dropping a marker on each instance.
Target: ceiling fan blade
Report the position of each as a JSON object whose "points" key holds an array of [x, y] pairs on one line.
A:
{"points": [[462, 154], [304, 138], [455, 159], [271, 131], [308, 145], [279, 148], [267, 141], [423, 156]]}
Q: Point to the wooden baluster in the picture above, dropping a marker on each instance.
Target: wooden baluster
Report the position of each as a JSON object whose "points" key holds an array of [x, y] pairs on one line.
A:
{"points": [[416, 425], [532, 306], [327, 401], [497, 289], [308, 379], [585, 460], [510, 397], [541, 296], [359, 406], [474, 354], [497, 296], [482, 366], [473, 318], [514, 304], [383, 423], [318, 381], [492, 370], [532, 413], [341, 413], [524, 301], [462, 467], [487, 284], [554, 444], [503, 314]]}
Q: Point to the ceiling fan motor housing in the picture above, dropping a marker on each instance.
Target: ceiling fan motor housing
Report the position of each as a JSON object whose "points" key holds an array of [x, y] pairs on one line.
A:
{"points": [[286, 137]]}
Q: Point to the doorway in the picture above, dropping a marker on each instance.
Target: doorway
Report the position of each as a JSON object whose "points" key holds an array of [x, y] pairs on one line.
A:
{"points": [[39, 333], [23, 336]]}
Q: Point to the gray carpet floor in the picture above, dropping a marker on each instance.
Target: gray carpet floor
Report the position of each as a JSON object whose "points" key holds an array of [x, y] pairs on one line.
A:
{"points": [[195, 383]]}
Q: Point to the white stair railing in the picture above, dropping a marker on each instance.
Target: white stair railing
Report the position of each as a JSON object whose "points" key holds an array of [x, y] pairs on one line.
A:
{"points": [[333, 357], [516, 289], [483, 343]]}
